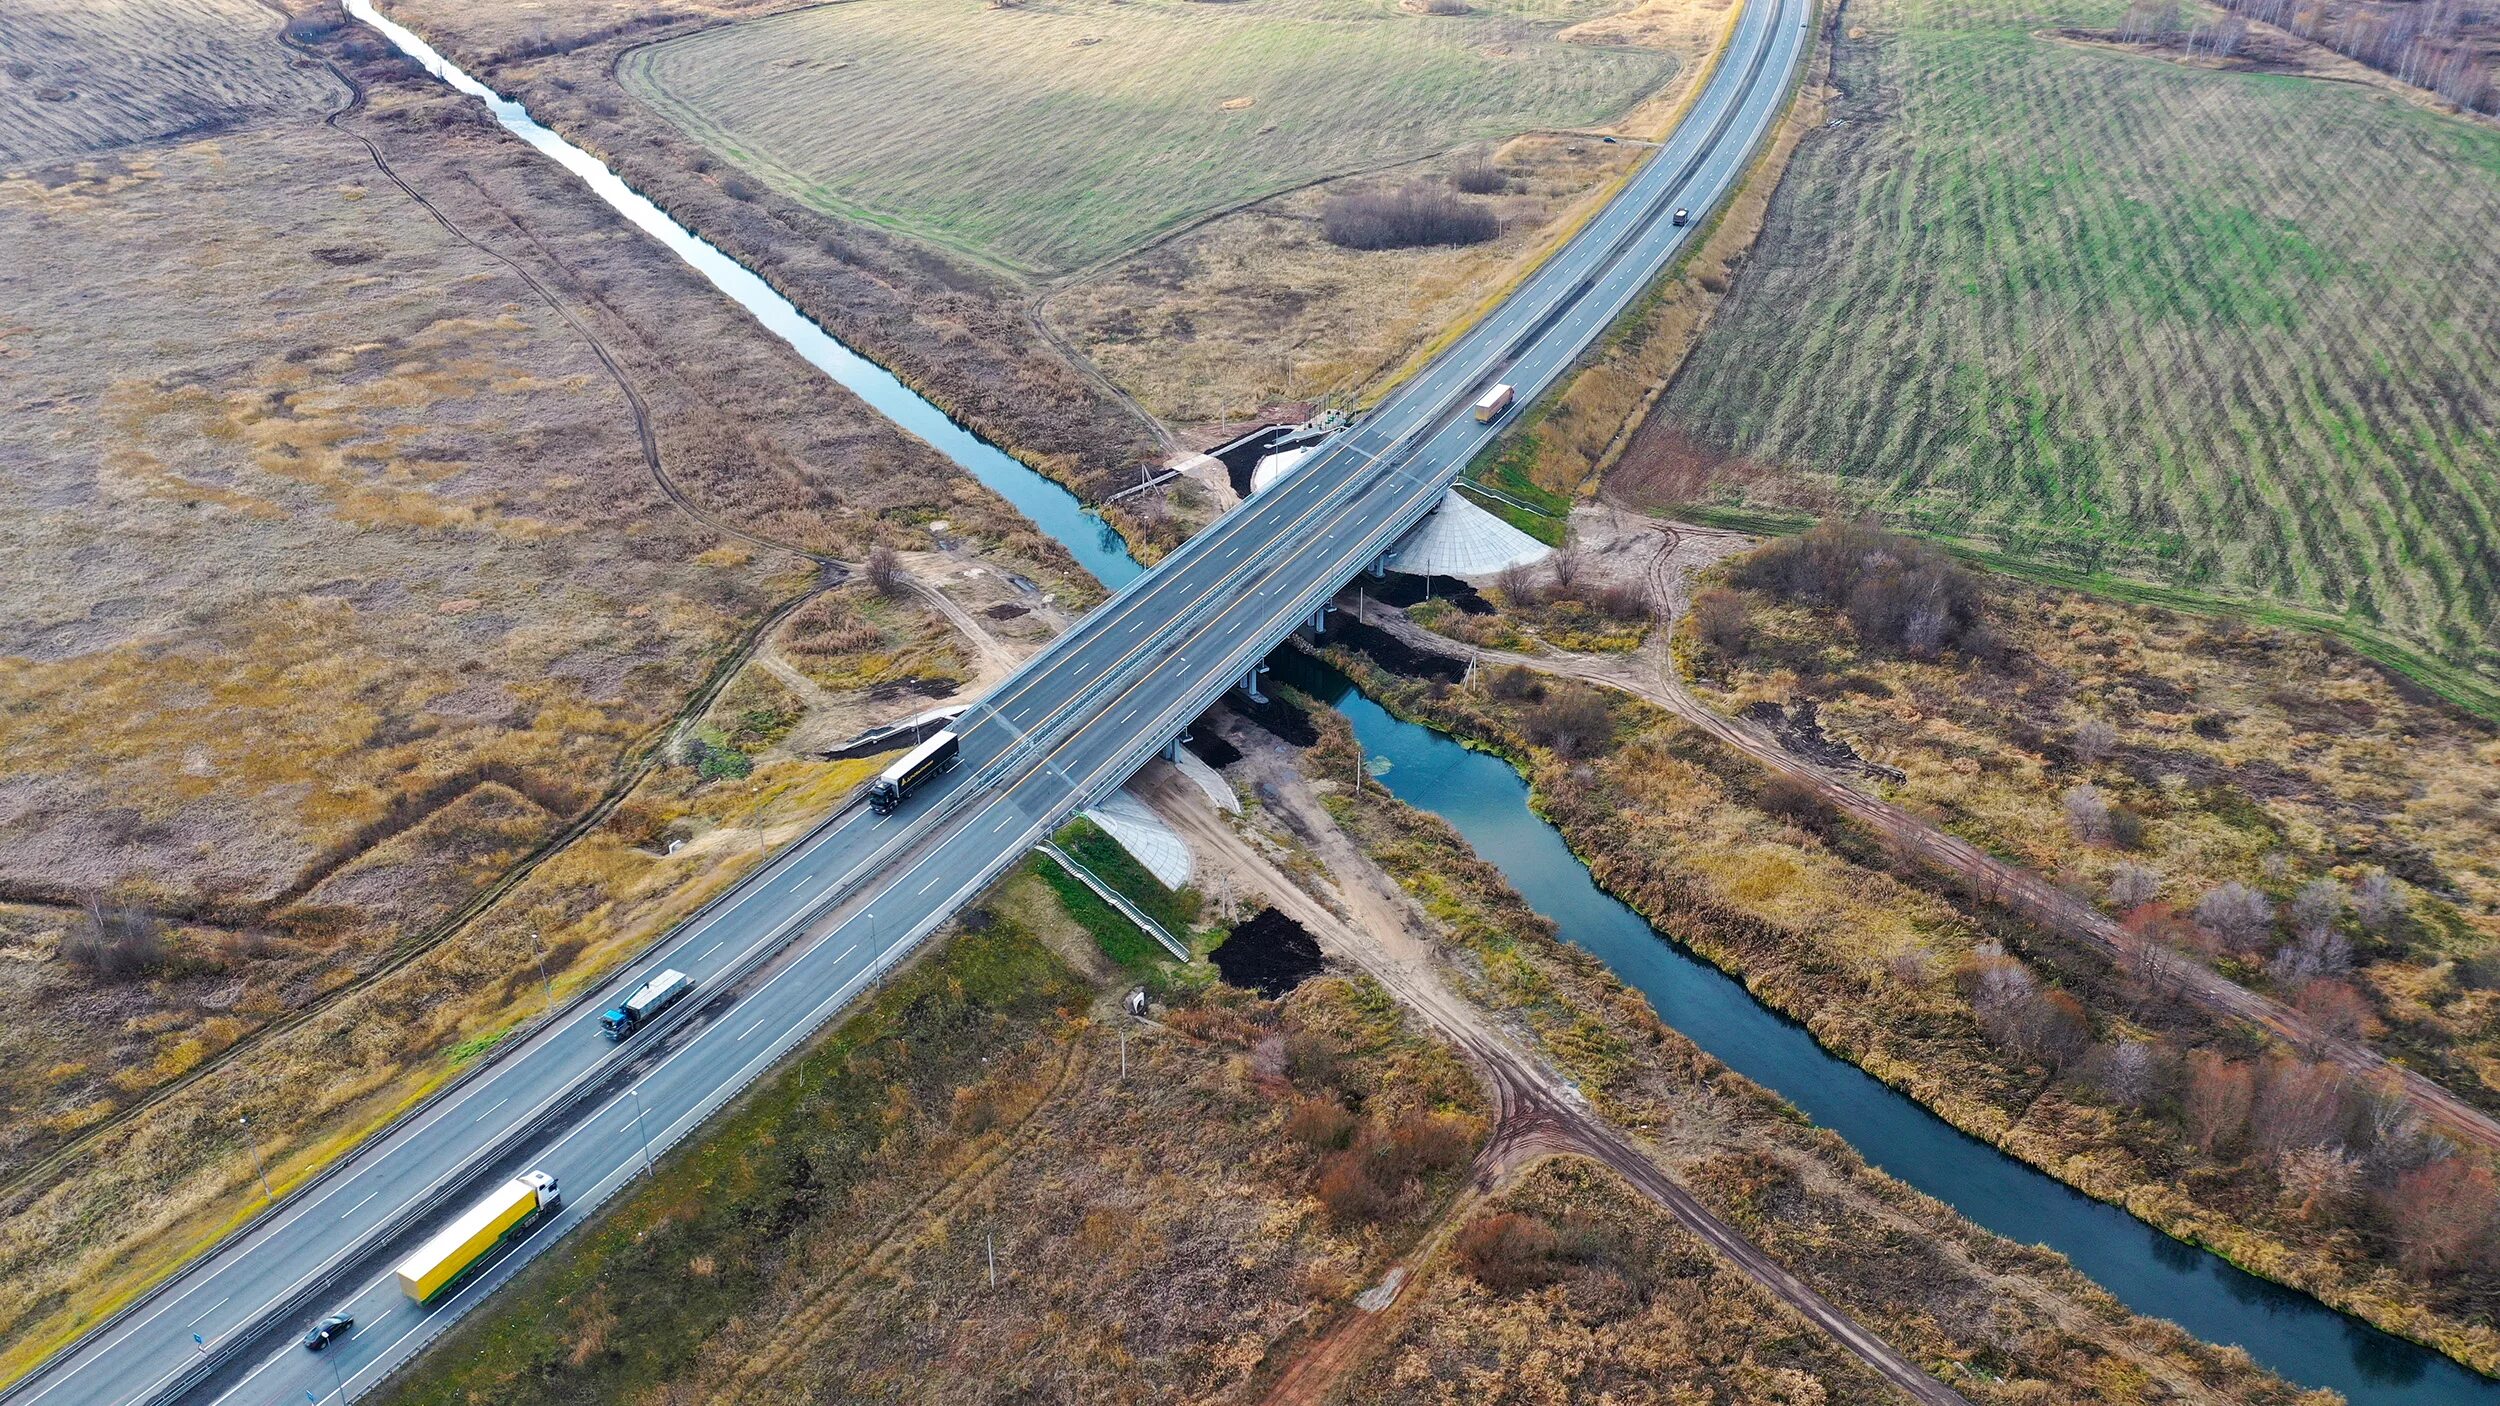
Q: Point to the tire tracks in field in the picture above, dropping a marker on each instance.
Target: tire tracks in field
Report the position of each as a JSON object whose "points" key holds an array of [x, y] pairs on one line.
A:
{"points": [[1537, 1112], [636, 764]]}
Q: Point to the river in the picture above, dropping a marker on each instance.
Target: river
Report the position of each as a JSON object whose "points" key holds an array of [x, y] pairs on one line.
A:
{"points": [[1487, 801]]}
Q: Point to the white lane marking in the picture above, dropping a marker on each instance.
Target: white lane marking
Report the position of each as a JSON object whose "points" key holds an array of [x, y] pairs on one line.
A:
{"points": [[759, 1020], [212, 1308], [353, 1209], [847, 951], [498, 1103], [326, 1196], [1002, 822], [706, 952], [933, 881]]}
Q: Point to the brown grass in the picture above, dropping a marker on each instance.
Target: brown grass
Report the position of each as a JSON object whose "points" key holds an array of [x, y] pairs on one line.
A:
{"points": [[1156, 1236], [345, 585], [1930, 1283]]}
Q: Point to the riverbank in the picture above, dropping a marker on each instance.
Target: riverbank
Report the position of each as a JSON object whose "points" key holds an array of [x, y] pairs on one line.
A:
{"points": [[1990, 1319], [1821, 926], [956, 334]]}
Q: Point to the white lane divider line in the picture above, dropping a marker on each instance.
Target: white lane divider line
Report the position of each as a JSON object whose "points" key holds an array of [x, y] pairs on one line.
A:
{"points": [[933, 881], [759, 1020], [1002, 822], [352, 1209], [847, 951], [204, 1313], [498, 1103], [706, 952]]}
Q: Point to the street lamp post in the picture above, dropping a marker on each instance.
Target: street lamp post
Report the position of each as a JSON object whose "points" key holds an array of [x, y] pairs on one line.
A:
{"points": [[636, 1096], [548, 987], [245, 1123]]}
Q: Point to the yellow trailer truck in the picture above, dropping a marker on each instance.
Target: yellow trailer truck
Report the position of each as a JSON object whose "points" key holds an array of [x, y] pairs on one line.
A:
{"points": [[456, 1248]]}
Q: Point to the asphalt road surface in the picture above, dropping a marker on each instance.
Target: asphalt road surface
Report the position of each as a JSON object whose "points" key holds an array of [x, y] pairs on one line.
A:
{"points": [[778, 956]]}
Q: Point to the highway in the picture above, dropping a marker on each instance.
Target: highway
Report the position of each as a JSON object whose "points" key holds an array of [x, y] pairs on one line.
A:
{"points": [[794, 943]]}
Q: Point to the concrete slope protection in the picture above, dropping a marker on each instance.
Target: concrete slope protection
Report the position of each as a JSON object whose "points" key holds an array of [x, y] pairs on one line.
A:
{"points": [[820, 922]]}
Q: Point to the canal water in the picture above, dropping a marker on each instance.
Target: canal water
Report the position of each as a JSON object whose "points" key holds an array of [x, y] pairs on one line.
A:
{"points": [[1092, 541], [2291, 1333], [1488, 802]]}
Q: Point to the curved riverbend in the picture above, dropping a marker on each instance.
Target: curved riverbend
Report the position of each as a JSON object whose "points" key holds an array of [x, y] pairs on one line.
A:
{"points": [[1093, 542], [2286, 1331], [1486, 800]]}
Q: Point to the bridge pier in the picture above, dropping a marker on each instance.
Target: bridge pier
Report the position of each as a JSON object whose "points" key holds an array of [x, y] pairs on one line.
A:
{"points": [[1172, 749], [1319, 620], [1250, 683], [1380, 567]]}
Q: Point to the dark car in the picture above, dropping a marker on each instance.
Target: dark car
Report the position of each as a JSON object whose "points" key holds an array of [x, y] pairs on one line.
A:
{"points": [[1682, 215], [319, 1335]]}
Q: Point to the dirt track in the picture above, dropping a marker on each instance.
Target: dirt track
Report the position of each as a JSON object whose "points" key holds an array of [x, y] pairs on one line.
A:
{"points": [[1649, 676], [1536, 1112]]}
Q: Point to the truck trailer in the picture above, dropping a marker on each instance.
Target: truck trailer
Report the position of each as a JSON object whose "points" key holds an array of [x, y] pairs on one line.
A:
{"points": [[1494, 402], [648, 1000], [457, 1248], [934, 757]]}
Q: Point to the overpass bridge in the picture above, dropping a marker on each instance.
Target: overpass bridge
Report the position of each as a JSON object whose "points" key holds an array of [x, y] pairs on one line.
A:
{"points": [[780, 954]]}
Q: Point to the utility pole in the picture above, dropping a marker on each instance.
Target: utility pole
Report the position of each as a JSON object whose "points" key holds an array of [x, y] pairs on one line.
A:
{"points": [[989, 1241], [1124, 1054], [546, 986], [245, 1122]]}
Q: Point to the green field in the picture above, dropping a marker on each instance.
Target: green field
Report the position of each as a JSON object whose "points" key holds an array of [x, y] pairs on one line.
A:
{"points": [[1051, 134], [2228, 332]]}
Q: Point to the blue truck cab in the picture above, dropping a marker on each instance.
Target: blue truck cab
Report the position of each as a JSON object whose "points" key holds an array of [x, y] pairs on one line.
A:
{"points": [[649, 999]]}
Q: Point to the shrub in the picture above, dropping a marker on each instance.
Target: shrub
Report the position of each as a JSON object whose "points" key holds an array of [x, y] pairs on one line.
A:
{"points": [[1898, 593], [1409, 217], [885, 572], [1322, 1124], [114, 941], [1476, 175], [1516, 684], [1791, 798], [1722, 621], [1572, 724], [1507, 1252], [1347, 1189]]}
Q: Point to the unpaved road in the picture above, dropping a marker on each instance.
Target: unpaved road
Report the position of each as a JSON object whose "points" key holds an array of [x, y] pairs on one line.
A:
{"points": [[1649, 676], [1536, 1111]]}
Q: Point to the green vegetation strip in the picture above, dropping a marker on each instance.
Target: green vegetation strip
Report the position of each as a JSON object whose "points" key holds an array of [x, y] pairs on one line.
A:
{"points": [[613, 1313], [2119, 314]]}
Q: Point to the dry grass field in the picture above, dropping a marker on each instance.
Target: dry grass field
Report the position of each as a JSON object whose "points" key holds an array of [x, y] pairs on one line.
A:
{"points": [[1156, 1235], [335, 584], [1257, 308], [1042, 137], [2221, 330], [74, 83]]}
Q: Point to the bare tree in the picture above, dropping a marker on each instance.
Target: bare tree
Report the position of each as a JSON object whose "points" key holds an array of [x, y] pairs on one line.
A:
{"points": [[1913, 966], [2376, 900], [2316, 907], [1565, 565], [2094, 741], [2237, 915], [2316, 954], [2297, 1104], [1518, 585], [114, 941], [2129, 1072], [2133, 886], [2219, 1092], [2087, 813], [2319, 1183]]}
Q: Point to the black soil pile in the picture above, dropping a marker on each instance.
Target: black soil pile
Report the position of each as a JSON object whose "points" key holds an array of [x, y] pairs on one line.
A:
{"points": [[1397, 656], [1279, 717], [1213, 750], [1270, 954], [1402, 590], [1799, 731]]}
